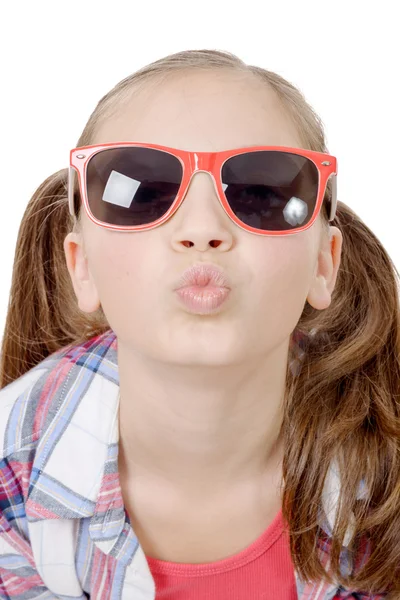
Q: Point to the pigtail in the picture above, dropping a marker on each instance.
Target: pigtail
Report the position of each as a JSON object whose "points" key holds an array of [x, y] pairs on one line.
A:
{"points": [[344, 404], [43, 315]]}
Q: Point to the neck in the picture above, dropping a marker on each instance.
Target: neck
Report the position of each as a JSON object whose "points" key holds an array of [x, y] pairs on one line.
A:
{"points": [[200, 427]]}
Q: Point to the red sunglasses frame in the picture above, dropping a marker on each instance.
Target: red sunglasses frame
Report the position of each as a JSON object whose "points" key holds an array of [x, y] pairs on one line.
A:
{"points": [[207, 162]]}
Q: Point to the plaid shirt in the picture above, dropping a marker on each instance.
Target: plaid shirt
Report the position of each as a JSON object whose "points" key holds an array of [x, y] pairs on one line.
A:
{"points": [[64, 532]]}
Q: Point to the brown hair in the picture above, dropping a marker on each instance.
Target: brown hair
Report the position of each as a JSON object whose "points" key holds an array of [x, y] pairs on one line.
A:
{"points": [[343, 403]]}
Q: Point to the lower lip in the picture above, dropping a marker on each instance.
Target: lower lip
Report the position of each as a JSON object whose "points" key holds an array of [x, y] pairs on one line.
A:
{"points": [[203, 300]]}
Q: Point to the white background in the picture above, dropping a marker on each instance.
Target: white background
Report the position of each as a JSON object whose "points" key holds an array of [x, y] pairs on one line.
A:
{"points": [[59, 58]]}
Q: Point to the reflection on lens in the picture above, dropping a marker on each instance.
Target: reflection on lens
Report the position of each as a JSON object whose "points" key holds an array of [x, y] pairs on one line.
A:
{"points": [[295, 212]]}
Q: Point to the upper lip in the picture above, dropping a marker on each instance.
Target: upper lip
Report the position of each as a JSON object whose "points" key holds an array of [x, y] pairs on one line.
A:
{"points": [[203, 274]]}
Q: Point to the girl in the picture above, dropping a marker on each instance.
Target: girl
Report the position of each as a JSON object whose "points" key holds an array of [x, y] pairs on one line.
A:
{"points": [[200, 365]]}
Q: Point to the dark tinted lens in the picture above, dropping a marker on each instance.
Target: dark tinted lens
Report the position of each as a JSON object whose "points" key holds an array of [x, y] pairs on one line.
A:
{"points": [[132, 186], [271, 190]]}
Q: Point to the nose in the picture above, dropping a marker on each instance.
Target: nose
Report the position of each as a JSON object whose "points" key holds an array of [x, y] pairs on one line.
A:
{"points": [[201, 220]]}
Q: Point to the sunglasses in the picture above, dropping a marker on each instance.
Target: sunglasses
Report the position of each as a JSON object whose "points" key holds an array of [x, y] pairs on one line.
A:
{"points": [[267, 190]]}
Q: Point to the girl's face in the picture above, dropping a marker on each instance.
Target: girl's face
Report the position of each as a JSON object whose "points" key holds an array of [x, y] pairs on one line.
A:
{"points": [[132, 275]]}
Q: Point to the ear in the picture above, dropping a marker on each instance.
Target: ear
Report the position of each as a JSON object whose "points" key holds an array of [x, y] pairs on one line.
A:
{"points": [[326, 269], [82, 281]]}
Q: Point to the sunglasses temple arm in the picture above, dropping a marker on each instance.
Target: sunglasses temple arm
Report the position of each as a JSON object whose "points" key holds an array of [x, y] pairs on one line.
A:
{"points": [[71, 181], [333, 202]]}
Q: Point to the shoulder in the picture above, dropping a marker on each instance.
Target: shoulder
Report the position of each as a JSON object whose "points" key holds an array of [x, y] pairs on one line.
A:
{"points": [[30, 403], [19, 405]]}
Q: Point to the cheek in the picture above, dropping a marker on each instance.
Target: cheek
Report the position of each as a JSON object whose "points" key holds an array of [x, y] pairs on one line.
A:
{"points": [[122, 272], [282, 278]]}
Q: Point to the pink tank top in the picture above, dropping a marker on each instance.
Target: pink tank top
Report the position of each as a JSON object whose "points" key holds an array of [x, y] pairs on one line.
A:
{"points": [[262, 571]]}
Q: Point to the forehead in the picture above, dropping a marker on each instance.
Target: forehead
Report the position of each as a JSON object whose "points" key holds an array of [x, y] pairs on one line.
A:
{"points": [[203, 111]]}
